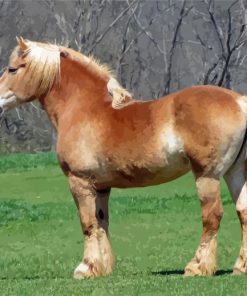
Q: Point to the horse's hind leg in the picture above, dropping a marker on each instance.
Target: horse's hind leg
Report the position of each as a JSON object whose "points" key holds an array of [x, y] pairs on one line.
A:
{"points": [[236, 181], [93, 210], [204, 261]]}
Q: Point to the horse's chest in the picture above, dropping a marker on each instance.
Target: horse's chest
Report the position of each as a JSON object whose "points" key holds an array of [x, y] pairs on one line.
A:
{"points": [[87, 155], [81, 151]]}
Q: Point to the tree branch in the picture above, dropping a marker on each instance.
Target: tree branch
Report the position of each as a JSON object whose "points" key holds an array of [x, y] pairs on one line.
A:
{"points": [[183, 14], [100, 37]]}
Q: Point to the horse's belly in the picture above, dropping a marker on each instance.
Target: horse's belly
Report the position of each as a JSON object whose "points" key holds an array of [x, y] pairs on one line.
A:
{"points": [[142, 180], [135, 175]]}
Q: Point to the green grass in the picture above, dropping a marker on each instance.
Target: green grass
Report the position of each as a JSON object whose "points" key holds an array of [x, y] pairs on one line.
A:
{"points": [[154, 232], [21, 162]]}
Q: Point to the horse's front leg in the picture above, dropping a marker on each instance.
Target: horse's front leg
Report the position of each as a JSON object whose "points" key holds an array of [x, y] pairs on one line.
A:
{"points": [[204, 261], [93, 210]]}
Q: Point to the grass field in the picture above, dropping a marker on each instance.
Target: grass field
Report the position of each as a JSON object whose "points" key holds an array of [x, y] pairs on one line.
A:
{"points": [[154, 232]]}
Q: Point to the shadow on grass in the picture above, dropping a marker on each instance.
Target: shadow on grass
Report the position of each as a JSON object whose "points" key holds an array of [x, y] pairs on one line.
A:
{"points": [[223, 272], [220, 272], [35, 277], [174, 272]]}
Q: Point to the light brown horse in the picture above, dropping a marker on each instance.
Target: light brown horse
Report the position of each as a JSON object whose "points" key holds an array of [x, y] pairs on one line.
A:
{"points": [[107, 139]]}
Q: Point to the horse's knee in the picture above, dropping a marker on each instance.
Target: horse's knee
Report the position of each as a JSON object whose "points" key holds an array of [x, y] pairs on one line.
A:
{"points": [[212, 215], [208, 189], [87, 229]]}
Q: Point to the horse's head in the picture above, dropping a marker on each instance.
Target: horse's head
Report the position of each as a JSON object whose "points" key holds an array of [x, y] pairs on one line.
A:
{"points": [[34, 68], [31, 73]]}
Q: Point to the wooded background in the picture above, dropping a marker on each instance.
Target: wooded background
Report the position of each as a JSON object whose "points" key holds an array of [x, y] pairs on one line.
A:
{"points": [[154, 47]]}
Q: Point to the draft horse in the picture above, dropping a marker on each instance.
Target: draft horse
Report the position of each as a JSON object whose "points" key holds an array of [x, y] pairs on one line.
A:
{"points": [[107, 139]]}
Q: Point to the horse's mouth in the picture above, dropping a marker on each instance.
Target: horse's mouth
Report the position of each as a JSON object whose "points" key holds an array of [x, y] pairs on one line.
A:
{"points": [[8, 104]]}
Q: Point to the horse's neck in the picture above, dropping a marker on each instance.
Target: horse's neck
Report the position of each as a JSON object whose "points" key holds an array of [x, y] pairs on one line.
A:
{"points": [[76, 90]]}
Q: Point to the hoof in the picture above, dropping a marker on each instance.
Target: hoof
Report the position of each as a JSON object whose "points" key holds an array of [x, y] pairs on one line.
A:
{"points": [[199, 269], [88, 270], [82, 271], [204, 262], [240, 266], [237, 271], [192, 271]]}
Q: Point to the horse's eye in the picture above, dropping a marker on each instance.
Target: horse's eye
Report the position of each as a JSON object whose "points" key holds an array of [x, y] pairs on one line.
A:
{"points": [[12, 70]]}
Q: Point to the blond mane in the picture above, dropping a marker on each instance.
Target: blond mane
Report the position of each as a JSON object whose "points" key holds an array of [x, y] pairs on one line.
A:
{"points": [[90, 63], [120, 96], [43, 64]]}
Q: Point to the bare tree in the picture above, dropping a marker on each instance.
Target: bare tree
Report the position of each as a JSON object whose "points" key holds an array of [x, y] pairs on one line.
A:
{"points": [[230, 37]]}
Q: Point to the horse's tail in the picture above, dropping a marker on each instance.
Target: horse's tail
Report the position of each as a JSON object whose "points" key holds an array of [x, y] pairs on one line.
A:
{"points": [[243, 146], [242, 101]]}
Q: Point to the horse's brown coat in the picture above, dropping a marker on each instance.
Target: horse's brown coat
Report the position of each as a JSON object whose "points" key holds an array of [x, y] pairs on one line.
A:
{"points": [[142, 143]]}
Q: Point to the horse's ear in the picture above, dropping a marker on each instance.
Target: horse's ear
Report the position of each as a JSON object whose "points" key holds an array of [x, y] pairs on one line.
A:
{"points": [[64, 54], [120, 96], [22, 43]]}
